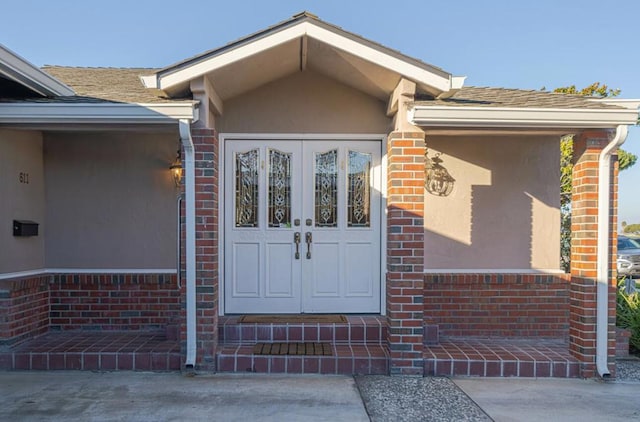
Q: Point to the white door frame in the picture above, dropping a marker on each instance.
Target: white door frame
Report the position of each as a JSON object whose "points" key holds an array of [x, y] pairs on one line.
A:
{"points": [[224, 137]]}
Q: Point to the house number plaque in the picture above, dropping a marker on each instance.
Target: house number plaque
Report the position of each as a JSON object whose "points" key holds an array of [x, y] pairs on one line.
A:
{"points": [[24, 178]]}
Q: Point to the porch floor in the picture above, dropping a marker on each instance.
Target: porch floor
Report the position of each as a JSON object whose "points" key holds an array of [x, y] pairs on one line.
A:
{"points": [[99, 351], [505, 357]]}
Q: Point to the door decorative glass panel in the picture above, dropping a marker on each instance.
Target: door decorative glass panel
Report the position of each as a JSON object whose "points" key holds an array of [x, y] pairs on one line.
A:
{"points": [[358, 184], [247, 189], [279, 189], [326, 189]]}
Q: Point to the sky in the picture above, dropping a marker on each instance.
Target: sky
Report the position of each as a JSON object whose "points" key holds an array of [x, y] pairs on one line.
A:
{"points": [[503, 43]]}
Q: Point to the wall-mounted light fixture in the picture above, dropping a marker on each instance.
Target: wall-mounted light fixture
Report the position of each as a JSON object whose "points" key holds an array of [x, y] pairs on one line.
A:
{"points": [[176, 169], [437, 181]]}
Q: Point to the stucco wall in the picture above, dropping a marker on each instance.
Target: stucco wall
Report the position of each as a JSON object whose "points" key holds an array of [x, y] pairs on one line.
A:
{"points": [[21, 152], [503, 212], [111, 203], [304, 102]]}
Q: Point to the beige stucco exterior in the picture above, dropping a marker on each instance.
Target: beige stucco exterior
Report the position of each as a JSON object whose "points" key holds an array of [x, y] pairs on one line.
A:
{"points": [[111, 201], [503, 212], [304, 102], [21, 198]]}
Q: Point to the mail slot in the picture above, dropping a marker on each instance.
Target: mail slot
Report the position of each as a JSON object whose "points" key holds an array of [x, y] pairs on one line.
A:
{"points": [[25, 228]]}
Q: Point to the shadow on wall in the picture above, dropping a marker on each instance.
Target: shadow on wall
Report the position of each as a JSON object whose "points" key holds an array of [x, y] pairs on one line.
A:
{"points": [[503, 212]]}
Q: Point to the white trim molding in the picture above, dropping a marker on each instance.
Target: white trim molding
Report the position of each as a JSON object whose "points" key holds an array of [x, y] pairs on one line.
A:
{"points": [[115, 271], [17, 69], [492, 271], [146, 113], [511, 117]]}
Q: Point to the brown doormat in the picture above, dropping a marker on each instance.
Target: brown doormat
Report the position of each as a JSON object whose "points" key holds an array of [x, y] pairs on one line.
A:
{"points": [[305, 349], [292, 319]]}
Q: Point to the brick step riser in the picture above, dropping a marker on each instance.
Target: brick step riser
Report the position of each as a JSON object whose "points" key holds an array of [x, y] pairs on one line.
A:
{"points": [[501, 368], [91, 361], [328, 365], [338, 333]]}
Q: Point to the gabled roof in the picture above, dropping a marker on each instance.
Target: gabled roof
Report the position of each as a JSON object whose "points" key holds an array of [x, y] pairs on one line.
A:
{"points": [[17, 70], [124, 85], [293, 45]]}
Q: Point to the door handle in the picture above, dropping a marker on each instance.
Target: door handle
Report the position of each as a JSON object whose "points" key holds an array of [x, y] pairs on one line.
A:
{"points": [[308, 239], [296, 240]]}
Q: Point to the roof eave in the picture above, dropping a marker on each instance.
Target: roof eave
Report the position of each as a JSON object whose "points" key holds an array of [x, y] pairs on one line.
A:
{"points": [[21, 71], [422, 73], [499, 117], [70, 113]]}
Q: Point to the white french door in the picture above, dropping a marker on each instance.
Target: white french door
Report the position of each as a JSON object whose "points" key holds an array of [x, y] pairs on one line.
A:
{"points": [[302, 226]]}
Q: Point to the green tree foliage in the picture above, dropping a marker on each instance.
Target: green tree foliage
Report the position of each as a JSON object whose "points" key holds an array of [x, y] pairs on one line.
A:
{"points": [[625, 161], [631, 228], [628, 312], [593, 90]]}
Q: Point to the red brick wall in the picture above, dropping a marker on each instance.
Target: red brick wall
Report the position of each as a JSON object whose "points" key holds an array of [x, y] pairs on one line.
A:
{"points": [[24, 308], [500, 305], [584, 233], [206, 189], [405, 251], [113, 302]]}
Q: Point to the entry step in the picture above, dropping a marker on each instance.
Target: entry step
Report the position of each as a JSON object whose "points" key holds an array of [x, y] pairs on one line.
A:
{"points": [[358, 329], [364, 359]]}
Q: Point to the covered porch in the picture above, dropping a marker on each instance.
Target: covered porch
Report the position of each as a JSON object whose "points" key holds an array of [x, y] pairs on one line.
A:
{"points": [[464, 242]]}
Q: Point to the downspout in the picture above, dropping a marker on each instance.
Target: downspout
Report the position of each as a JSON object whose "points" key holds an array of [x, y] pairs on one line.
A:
{"points": [[184, 126], [602, 275], [178, 237]]}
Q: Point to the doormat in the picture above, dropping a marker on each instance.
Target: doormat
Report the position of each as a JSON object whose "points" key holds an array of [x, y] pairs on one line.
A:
{"points": [[292, 319], [304, 349]]}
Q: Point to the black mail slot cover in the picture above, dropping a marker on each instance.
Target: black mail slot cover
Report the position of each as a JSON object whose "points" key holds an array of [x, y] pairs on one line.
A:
{"points": [[25, 228]]}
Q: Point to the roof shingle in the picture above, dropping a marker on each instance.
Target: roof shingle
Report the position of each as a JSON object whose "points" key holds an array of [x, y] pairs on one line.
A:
{"points": [[124, 85], [472, 96], [110, 84]]}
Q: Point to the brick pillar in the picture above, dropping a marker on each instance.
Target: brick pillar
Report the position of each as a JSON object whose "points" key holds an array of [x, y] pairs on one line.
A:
{"points": [[584, 234], [405, 251], [206, 213]]}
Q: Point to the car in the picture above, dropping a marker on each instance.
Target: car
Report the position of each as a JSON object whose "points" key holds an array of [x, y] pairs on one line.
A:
{"points": [[628, 257]]}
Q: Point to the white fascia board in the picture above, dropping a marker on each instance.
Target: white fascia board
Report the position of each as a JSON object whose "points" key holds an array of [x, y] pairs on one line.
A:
{"points": [[498, 117], [191, 72], [21, 71], [408, 70], [37, 113]]}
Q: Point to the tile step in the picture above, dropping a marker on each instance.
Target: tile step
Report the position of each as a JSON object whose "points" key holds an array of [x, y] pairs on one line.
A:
{"points": [[357, 330], [501, 368], [500, 358], [369, 359], [88, 361]]}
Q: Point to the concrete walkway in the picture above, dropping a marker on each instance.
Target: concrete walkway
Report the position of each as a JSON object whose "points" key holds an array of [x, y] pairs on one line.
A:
{"points": [[552, 399], [145, 396], [137, 396]]}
